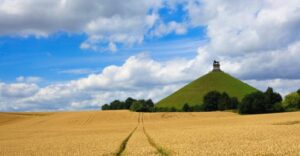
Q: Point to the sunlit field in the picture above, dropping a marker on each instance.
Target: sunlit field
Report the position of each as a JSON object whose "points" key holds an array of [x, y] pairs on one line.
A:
{"points": [[131, 133]]}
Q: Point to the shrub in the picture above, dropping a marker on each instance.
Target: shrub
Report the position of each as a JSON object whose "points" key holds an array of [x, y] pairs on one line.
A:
{"points": [[197, 108]]}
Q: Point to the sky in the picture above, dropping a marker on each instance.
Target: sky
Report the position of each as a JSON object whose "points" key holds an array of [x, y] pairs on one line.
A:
{"points": [[60, 55]]}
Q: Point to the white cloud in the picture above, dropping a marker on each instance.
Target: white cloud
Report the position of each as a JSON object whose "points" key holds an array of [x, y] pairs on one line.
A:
{"points": [[17, 90], [139, 77], [284, 86], [163, 29], [105, 21], [29, 79], [239, 27], [79, 71]]}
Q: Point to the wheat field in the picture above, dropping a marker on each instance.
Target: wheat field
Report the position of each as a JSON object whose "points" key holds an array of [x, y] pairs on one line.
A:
{"points": [[129, 133]]}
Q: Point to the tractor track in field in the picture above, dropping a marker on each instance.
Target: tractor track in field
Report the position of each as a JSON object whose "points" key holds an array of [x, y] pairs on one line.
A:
{"points": [[160, 150], [125, 141], [89, 119]]}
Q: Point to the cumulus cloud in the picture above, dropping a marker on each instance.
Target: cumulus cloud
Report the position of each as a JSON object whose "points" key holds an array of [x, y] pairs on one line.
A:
{"points": [[17, 90], [239, 27], [139, 77], [105, 22], [163, 29]]}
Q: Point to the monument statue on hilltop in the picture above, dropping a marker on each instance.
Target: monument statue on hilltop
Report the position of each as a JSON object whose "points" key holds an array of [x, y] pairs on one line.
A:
{"points": [[216, 66]]}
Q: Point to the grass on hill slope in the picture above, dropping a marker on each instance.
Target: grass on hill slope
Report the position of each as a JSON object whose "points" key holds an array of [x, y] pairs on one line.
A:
{"points": [[194, 92]]}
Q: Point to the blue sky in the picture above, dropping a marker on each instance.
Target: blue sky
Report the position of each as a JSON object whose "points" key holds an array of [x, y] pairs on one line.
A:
{"points": [[54, 58], [76, 55]]}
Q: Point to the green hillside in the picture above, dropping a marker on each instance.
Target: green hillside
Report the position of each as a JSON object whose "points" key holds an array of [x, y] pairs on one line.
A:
{"points": [[216, 80]]}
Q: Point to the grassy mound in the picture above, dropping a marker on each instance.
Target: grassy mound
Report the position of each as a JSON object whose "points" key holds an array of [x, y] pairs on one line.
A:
{"points": [[194, 92]]}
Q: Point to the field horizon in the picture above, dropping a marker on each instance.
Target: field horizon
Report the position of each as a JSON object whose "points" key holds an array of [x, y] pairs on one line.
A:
{"points": [[165, 133]]}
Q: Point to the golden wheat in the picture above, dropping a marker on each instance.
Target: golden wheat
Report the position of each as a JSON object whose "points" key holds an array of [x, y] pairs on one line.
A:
{"points": [[129, 133], [72, 133], [225, 133]]}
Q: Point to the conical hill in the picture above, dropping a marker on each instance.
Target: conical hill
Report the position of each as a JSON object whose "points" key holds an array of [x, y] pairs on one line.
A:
{"points": [[194, 92]]}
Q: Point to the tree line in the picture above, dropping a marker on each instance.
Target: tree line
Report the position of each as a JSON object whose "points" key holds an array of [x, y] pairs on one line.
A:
{"points": [[131, 104], [253, 103]]}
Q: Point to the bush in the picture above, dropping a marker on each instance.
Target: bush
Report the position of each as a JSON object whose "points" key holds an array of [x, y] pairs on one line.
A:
{"points": [[197, 108]]}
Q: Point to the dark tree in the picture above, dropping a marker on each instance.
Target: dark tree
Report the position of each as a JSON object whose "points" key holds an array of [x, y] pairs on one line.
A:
{"points": [[271, 98], [137, 106], [260, 102], [186, 108], [298, 91], [234, 102], [128, 102], [116, 104], [105, 107], [224, 101], [211, 100], [197, 108], [173, 109], [253, 103]]}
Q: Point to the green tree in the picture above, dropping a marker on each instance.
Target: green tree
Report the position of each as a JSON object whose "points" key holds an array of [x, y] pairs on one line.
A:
{"points": [[223, 101], [211, 100], [105, 107], [292, 101], [186, 108], [233, 103], [128, 102], [271, 98], [136, 106], [253, 103], [173, 109], [197, 108], [260, 102]]}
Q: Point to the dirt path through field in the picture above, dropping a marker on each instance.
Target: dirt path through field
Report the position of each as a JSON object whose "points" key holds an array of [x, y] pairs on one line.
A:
{"points": [[139, 142]]}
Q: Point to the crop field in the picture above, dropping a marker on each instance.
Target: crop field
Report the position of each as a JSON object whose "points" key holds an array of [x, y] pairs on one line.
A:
{"points": [[130, 133]]}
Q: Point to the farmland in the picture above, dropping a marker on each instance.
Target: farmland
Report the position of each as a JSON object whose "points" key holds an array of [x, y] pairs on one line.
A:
{"points": [[131, 133]]}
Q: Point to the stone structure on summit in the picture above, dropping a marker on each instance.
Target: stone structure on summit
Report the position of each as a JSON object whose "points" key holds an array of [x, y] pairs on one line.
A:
{"points": [[216, 66]]}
